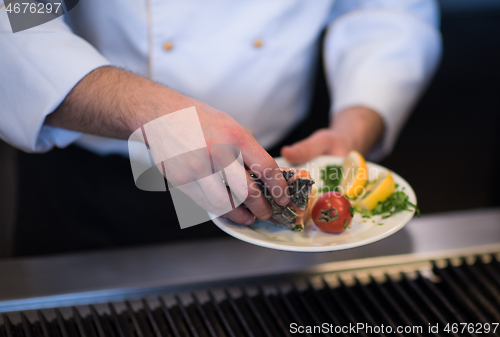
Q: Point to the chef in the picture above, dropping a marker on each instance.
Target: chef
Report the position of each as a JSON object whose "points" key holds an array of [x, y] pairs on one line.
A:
{"points": [[92, 77]]}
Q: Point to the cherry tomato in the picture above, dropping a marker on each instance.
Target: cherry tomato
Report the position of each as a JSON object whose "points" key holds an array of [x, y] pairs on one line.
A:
{"points": [[332, 212]]}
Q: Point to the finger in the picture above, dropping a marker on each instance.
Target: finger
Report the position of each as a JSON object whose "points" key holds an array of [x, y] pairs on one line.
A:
{"points": [[266, 169], [240, 215], [256, 201], [194, 191], [245, 190], [307, 149]]}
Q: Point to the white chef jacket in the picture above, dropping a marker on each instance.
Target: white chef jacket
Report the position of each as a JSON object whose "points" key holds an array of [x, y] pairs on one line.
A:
{"points": [[253, 59]]}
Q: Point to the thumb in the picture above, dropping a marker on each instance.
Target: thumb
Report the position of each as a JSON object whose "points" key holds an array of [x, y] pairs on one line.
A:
{"points": [[306, 149]]}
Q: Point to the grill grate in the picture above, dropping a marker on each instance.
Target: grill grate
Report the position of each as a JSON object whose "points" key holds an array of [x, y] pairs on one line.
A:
{"points": [[459, 290]]}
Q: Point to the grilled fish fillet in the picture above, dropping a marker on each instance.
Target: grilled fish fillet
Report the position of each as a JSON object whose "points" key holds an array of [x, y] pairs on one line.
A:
{"points": [[299, 185]]}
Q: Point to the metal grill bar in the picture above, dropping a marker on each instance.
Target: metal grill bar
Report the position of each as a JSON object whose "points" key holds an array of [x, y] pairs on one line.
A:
{"points": [[221, 315], [151, 319], [481, 279], [204, 317], [492, 273], [472, 289], [393, 304], [79, 322], [380, 308], [352, 296], [115, 320], [329, 314], [257, 315], [275, 316], [238, 313], [456, 293], [8, 325], [308, 308], [206, 313], [427, 301], [442, 300], [44, 324], [339, 302], [462, 297], [107, 326], [26, 326], [97, 321], [186, 317], [169, 318], [291, 310], [61, 323], [133, 318], [411, 304]]}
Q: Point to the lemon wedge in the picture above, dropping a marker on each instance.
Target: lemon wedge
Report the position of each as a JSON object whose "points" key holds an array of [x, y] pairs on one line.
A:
{"points": [[377, 192], [354, 175]]}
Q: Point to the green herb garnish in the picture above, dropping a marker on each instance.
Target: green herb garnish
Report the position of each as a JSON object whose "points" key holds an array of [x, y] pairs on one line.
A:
{"points": [[298, 227], [369, 182], [397, 202], [346, 223], [331, 176]]}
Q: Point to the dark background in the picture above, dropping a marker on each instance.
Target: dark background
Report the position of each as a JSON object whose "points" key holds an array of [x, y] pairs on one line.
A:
{"points": [[448, 151], [449, 148]]}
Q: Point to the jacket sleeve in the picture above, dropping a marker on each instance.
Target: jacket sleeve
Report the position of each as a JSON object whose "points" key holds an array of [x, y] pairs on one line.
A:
{"points": [[39, 67], [380, 54]]}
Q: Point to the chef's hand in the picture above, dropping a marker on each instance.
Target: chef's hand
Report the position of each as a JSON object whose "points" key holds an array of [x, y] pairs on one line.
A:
{"points": [[114, 103], [356, 128], [210, 193]]}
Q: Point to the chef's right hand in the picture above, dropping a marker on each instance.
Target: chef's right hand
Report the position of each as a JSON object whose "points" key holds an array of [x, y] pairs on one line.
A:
{"points": [[191, 171], [114, 103]]}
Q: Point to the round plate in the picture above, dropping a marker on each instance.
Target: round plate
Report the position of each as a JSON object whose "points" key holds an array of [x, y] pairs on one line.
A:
{"points": [[361, 232]]}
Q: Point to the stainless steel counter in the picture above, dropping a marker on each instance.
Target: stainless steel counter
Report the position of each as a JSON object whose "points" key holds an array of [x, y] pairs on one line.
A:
{"points": [[120, 273]]}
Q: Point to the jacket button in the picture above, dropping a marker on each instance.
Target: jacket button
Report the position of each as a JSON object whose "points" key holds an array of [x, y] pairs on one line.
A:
{"points": [[257, 43], [168, 46]]}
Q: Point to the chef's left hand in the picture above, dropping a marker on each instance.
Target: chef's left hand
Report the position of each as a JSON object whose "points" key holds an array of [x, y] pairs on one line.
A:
{"points": [[356, 128]]}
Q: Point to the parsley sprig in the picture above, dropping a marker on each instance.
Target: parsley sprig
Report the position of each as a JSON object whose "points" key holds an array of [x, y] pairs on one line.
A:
{"points": [[331, 176], [397, 202]]}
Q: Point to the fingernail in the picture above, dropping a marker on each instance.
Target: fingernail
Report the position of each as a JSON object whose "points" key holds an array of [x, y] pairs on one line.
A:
{"points": [[268, 215], [249, 222], [284, 201]]}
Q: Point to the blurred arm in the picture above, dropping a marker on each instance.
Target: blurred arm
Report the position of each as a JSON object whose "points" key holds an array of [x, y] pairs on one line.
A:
{"points": [[379, 55], [40, 66]]}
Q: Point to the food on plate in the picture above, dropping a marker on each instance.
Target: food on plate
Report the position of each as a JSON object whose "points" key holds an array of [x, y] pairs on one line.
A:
{"points": [[397, 202], [299, 185], [331, 176], [346, 190], [313, 197], [378, 191], [377, 197], [354, 175], [332, 212]]}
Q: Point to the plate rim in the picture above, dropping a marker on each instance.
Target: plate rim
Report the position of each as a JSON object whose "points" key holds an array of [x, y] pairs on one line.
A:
{"points": [[281, 245]]}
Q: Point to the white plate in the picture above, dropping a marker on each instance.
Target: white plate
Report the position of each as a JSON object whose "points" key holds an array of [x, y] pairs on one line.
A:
{"points": [[361, 232]]}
